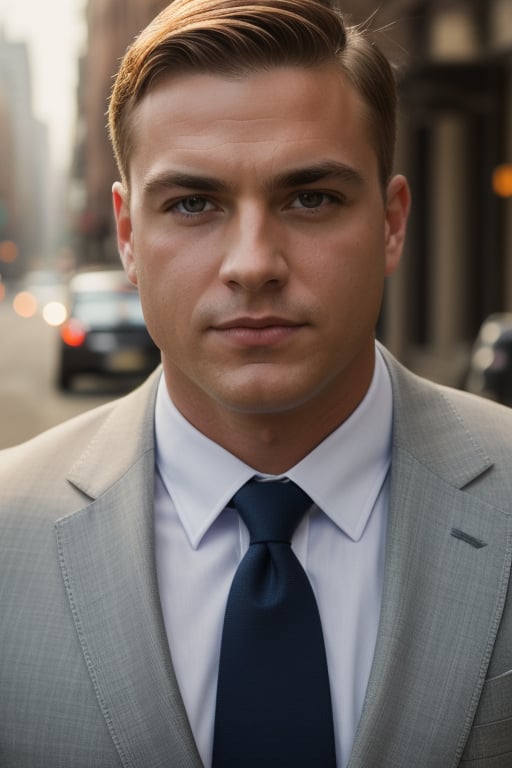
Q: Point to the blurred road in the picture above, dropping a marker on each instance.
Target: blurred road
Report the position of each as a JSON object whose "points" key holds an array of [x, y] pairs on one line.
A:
{"points": [[29, 400]]}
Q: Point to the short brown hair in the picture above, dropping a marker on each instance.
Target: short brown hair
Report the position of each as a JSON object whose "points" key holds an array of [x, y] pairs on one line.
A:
{"points": [[235, 37]]}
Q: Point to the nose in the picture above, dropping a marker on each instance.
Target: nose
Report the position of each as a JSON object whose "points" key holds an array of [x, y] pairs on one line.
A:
{"points": [[255, 253]]}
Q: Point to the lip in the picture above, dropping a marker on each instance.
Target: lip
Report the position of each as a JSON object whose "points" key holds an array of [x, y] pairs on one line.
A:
{"points": [[257, 331], [268, 321]]}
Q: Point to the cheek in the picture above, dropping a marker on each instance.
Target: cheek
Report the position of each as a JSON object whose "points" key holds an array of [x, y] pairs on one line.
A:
{"points": [[349, 286], [155, 290], [349, 265], [170, 290]]}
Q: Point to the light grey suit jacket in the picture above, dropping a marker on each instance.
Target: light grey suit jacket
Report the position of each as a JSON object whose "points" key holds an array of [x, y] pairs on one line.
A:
{"points": [[86, 677]]}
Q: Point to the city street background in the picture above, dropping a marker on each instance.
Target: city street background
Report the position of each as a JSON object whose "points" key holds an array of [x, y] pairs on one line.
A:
{"points": [[29, 399], [454, 73]]}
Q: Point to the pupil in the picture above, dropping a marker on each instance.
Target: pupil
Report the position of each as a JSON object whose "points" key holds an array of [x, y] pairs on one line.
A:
{"points": [[194, 204], [310, 199]]}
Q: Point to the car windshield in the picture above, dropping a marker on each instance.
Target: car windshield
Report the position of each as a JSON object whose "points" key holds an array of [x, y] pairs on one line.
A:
{"points": [[108, 308]]}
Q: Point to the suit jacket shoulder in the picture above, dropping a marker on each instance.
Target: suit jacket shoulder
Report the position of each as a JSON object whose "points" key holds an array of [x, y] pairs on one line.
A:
{"points": [[461, 437], [94, 448]]}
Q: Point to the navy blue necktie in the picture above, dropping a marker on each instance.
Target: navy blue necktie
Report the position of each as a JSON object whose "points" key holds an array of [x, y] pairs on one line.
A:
{"points": [[273, 697]]}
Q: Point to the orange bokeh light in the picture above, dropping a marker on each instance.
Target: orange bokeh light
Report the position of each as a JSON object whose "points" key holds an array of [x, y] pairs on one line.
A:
{"points": [[502, 180], [24, 304], [8, 251], [73, 333]]}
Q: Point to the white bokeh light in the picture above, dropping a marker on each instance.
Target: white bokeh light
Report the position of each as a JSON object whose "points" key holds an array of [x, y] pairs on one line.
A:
{"points": [[54, 313]]}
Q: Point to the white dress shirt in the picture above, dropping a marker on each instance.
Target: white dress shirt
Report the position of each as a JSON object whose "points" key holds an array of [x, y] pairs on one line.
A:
{"points": [[340, 543]]}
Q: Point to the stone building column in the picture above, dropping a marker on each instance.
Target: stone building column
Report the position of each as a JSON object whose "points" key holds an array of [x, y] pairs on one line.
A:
{"points": [[448, 227], [501, 40], [508, 202]]}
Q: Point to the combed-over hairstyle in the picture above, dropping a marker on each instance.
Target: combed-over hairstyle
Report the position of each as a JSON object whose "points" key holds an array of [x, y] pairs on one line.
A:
{"points": [[234, 37]]}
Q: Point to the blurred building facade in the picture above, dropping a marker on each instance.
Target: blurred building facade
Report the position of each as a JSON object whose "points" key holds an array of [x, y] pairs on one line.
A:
{"points": [[23, 160], [455, 133], [454, 63], [111, 26]]}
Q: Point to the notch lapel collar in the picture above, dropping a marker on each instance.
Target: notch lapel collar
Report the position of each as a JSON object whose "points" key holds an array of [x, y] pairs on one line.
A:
{"points": [[443, 596], [107, 560]]}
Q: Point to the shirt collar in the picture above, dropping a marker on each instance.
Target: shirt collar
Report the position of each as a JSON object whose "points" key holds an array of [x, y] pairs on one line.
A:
{"points": [[343, 475]]}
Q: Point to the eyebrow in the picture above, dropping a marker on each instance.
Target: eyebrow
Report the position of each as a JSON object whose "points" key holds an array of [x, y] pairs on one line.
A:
{"points": [[170, 179], [288, 179], [318, 172]]}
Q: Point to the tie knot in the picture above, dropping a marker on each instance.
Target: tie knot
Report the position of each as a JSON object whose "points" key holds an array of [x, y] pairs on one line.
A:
{"points": [[271, 510]]}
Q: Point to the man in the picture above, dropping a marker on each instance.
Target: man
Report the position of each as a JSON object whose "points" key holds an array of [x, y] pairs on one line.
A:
{"points": [[259, 217]]}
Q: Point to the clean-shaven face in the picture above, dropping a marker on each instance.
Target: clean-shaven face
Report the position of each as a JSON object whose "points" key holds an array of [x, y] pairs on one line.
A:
{"points": [[259, 235]]}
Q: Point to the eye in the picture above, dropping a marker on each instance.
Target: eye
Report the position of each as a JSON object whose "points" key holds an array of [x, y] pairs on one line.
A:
{"points": [[312, 200], [194, 204]]}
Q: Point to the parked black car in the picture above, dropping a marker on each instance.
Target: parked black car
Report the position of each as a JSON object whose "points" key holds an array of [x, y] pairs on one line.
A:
{"points": [[105, 333], [490, 369]]}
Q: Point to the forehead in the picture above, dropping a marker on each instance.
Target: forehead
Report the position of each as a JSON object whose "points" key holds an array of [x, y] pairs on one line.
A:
{"points": [[258, 123]]}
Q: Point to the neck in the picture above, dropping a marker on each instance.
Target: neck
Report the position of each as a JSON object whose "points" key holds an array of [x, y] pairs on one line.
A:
{"points": [[270, 443]]}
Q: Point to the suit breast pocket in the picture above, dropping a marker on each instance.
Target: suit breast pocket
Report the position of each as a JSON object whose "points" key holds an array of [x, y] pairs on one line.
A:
{"points": [[490, 740]]}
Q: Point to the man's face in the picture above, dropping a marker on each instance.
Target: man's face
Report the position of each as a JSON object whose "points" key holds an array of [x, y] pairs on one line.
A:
{"points": [[259, 235]]}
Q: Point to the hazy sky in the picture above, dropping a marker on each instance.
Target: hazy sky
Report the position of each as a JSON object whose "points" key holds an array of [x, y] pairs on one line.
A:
{"points": [[54, 30]]}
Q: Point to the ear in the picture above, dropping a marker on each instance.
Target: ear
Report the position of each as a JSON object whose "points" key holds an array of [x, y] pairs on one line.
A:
{"points": [[398, 203], [120, 199]]}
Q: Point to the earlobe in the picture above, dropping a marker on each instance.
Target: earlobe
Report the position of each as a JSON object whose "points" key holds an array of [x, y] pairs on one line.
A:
{"points": [[124, 230], [398, 203]]}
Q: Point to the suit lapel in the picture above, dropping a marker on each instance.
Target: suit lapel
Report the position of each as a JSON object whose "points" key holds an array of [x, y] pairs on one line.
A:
{"points": [[447, 565], [107, 559]]}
